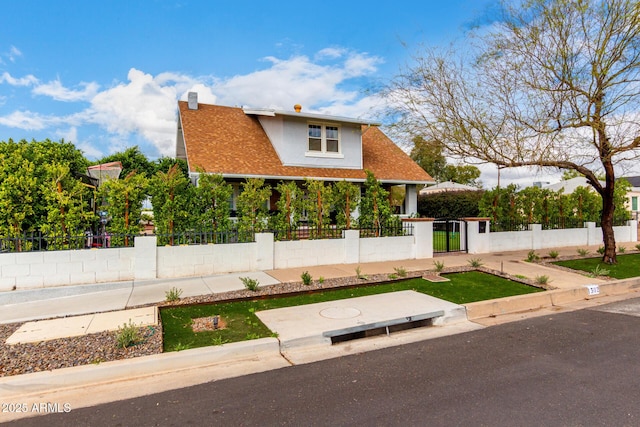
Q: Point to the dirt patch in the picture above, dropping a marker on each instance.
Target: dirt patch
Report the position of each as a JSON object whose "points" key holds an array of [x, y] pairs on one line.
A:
{"points": [[201, 324]]}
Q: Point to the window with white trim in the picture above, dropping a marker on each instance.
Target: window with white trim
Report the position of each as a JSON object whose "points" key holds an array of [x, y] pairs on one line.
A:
{"points": [[324, 139]]}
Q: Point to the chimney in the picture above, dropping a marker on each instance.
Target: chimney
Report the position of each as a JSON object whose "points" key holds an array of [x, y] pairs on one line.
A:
{"points": [[192, 98], [297, 108]]}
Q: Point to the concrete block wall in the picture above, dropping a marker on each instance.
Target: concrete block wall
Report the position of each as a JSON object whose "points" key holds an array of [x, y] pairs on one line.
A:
{"points": [[147, 261], [536, 238], [373, 249], [31, 270], [307, 253]]}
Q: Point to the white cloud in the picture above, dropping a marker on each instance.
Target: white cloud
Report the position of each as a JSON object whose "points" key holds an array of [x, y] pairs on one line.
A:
{"points": [[28, 121], [205, 95], [296, 80], [55, 90], [141, 106], [23, 81], [145, 105], [330, 52], [14, 52]]}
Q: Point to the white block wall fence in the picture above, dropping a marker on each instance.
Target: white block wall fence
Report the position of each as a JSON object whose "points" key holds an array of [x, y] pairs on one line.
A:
{"points": [[148, 261], [481, 240]]}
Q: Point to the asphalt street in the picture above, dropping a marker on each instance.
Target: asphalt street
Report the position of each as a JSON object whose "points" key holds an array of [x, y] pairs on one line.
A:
{"points": [[579, 368]]}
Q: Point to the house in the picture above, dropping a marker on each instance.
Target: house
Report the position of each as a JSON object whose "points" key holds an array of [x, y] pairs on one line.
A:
{"points": [[569, 186], [633, 195], [240, 143], [447, 186]]}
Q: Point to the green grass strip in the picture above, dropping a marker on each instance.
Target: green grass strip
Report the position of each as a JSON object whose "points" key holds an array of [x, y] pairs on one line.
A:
{"points": [[243, 324], [627, 266]]}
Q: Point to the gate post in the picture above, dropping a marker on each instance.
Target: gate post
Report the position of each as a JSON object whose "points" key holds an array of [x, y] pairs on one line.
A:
{"points": [[478, 240], [422, 237]]}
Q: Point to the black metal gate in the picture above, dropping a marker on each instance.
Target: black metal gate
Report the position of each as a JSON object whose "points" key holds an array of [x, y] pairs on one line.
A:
{"points": [[449, 235]]}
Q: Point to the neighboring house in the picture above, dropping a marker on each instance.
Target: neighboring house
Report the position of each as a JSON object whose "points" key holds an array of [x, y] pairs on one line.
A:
{"points": [[240, 143], [570, 185], [633, 195], [447, 186]]}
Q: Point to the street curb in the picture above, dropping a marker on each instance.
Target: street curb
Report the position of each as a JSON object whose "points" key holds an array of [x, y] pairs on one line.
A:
{"points": [[127, 369], [548, 299]]}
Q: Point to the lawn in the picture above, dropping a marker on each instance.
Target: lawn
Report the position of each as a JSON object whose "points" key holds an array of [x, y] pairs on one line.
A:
{"points": [[628, 265], [243, 324], [440, 241]]}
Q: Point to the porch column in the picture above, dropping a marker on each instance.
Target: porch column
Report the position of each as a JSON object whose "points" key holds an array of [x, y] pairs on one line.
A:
{"points": [[411, 199]]}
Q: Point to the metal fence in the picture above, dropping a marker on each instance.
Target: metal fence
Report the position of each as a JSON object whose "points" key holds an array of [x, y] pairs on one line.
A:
{"points": [[193, 237], [305, 232], [37, 241], [392, 229], [508, 225]]}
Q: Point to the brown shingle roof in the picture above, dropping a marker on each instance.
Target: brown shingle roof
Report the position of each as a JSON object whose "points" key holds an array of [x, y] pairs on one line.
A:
{"points": [[227, 141]]}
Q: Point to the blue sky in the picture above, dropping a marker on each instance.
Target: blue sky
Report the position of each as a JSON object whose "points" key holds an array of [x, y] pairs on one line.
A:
{"points": [[106, 75]]}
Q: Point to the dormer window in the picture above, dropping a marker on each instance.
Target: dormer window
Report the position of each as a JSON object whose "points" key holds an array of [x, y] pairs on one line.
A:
{"points": [[324, 139]]}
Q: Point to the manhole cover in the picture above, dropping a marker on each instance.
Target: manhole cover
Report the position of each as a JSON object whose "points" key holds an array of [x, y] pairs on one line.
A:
{"points": [[340, 312]]}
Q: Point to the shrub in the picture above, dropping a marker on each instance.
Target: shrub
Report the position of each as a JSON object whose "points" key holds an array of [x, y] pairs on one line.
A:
{"points": [[583, 252], [250, 284], [601, 250], [306, 278], [127, 335], [598, 271], [475, 262], [392, 276], [179, 346], [173, 294], [532, 256], [439, 265], [359, 274], [638, 247], [553, 254], [542, 280], [218, 340], [400, 271], [622, 249], [321, 280]]}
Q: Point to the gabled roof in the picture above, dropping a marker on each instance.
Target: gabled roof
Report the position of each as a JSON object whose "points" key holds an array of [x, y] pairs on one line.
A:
{"points": [[448, 186], [226, 141], [633, 180], [570, 185]]}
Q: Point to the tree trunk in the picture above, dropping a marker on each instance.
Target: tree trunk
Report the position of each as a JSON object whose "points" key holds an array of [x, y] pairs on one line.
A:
{"points": [[608, 207], [126, 220], [64, 227], [347, 212]]}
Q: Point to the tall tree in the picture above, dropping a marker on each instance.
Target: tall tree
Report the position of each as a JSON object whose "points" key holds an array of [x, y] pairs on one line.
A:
{"points": [[67, 201], [253, 205], [124, 198], [553, 83], [429, 155], [346, 196], [375, 208], [18, 189], [212, 202], [318, 206], [170, 193], [290, 206]]}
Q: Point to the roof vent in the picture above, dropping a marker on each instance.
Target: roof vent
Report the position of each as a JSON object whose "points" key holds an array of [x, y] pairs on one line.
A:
{"points": [[297, 108], [192, 97]]}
